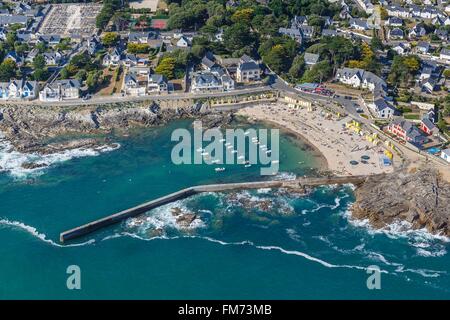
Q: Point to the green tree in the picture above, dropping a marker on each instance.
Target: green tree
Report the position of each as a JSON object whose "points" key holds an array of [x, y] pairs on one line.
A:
{"points": [[318, 73], [297, 68], [136, 48], [166, 67], [238, 38], [93, 80], [277, 59], [39, 62], [81, 75], [40, 74], [21, 48], [316, 21], [376, 43], [244, 15], [403, 70], [441, 124], [64, 73], [8, 70], [41, 46], [110, 39], [11, 39], [446, 73], [198, 50]]}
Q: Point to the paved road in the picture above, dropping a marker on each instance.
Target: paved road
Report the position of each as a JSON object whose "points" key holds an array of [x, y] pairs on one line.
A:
{"points": [[349, 106], [119, 98]]}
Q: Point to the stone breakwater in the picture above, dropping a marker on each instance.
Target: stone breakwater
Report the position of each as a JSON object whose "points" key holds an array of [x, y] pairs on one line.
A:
{"points": [[420, 197], [28, 128]]}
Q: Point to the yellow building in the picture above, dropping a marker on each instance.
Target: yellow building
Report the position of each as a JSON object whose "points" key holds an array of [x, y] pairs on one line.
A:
{"points": [[296, 102]]}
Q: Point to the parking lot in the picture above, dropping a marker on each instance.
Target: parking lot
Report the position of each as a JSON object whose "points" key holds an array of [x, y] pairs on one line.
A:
{"points": [[71, 19]]}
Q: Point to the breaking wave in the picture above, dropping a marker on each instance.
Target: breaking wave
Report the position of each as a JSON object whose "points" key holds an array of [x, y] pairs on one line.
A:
{"points": [[36, 234], [12, 161]]}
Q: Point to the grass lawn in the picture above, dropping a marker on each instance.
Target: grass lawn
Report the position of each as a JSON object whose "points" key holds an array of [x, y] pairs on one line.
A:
{"points": [[411, 116]]}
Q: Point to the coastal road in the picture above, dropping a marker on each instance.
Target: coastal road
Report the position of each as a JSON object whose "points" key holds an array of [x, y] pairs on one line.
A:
{"points": [[119, 98], [348, 105]]}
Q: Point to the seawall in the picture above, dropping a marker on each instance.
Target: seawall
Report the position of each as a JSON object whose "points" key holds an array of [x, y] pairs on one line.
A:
{"points": [[184, 193]]}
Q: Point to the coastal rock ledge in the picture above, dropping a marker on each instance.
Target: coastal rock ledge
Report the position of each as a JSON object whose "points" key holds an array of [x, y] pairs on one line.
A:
{"points": [[418, 196]]}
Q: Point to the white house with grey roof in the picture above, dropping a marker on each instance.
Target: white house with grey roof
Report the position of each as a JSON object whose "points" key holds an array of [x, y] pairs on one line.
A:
{"points": [[396, 33], [19, 89], [359, 78], [402, 48], [329, 33], [394, 22], [52, 58], [398, 11], [113, 58], [381, 108], [417, 31], [157, 83], [142, 37], [206, 82], [248, 70], [60, 90], [358, 24]]}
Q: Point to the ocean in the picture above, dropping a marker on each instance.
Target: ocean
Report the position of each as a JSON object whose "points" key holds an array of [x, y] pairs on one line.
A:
{"points": [[259, 244]]}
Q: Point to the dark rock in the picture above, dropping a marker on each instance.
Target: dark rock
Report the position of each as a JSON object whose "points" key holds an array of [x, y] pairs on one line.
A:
{"points": [[28, 127], [421, 198], [184, 220], [32, 165]]}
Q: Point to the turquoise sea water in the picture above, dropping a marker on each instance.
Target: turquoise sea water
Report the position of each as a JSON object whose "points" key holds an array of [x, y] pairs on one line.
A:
{"points": [[241, 246]]}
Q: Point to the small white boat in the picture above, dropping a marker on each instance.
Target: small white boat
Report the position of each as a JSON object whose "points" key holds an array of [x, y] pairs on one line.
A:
{"points": [[262, 146], [275, 161], [248, 165], [241, 157], [227, 144], [215, 161], [204, 153], [200, 150], [268, 151], [219, 169], [246, 133], [222, 140], [233, 151], [230, 147]]}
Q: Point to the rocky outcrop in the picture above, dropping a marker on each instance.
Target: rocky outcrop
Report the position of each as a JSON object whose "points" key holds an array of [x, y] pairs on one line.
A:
{"points": [[183, 219], [29, 127], [420, 197]]}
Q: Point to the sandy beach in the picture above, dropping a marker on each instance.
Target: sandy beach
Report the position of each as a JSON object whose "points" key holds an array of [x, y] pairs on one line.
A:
{"points": [[328, 134]]}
